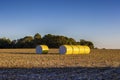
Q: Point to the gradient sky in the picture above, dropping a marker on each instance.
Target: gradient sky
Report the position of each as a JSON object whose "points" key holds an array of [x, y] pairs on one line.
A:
{"points": [[94, 20]]}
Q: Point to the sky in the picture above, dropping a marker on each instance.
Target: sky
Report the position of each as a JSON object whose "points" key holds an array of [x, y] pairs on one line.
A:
{"points": [[94, 20]]}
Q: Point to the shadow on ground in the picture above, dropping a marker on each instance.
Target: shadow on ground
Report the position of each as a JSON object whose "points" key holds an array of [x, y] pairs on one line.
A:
{"points": [[28, 53], [67, 73]]}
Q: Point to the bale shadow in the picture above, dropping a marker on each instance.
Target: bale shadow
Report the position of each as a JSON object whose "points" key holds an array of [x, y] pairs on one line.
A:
{"points": [[65, 73], [28, 53], [16, 53]]}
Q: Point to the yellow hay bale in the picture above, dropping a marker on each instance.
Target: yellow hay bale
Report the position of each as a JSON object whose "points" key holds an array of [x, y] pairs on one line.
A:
{"points": [[42, 49], [87, 50], [65, 49], [75, 49], [81, 49]]}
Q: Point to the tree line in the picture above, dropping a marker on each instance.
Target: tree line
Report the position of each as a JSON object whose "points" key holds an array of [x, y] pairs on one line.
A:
{"points": [[53, 41]]}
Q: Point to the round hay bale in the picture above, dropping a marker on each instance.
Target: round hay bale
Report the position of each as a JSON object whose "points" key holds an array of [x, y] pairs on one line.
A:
{"points": [[87, 49], [81, 49], [75, 49], [42, 49], [65, 49]]}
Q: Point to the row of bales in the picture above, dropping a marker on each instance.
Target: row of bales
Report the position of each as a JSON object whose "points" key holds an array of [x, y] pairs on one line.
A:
{"points": [[65, 49]]}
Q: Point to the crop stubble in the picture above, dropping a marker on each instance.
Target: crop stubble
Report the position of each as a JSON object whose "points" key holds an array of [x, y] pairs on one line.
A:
{"points": [[27, 58], [25, 64]]}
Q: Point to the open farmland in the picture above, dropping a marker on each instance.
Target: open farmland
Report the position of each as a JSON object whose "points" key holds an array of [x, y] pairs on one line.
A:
{"points": [[25, 64]]}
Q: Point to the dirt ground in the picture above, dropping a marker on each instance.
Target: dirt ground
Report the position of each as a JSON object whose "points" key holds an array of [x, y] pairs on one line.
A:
{"points": [[25, 64]]}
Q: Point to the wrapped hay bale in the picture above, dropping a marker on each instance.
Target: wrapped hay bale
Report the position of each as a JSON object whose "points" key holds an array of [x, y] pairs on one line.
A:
{"points": [[75, 49], [87, 50], [83, 49], [42, 49], [65, 49]]}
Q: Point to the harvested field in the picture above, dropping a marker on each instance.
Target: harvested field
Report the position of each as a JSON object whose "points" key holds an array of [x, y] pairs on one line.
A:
{"points": [[24, 64]]}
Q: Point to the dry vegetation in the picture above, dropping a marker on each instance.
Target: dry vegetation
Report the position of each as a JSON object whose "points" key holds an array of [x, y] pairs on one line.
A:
{"points": [[99, 64], [26, 58]]}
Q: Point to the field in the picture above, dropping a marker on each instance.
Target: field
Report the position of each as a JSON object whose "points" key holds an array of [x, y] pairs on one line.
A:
{"points": [[25, 64]]}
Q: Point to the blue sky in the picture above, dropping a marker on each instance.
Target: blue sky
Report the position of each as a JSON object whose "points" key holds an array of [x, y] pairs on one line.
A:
{"points": [[94, 20]]}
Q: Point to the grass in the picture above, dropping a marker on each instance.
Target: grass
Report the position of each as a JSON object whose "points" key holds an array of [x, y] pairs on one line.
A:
{"points": [[27, 58]]}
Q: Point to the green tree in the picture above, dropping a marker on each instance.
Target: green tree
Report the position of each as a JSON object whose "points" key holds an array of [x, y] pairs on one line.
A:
{"points": [[55, 41], [37, 39], [87, 43], [48, 40], [71, 41], [26, 42], [37, 36], [13, 44], [5, 43]]}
